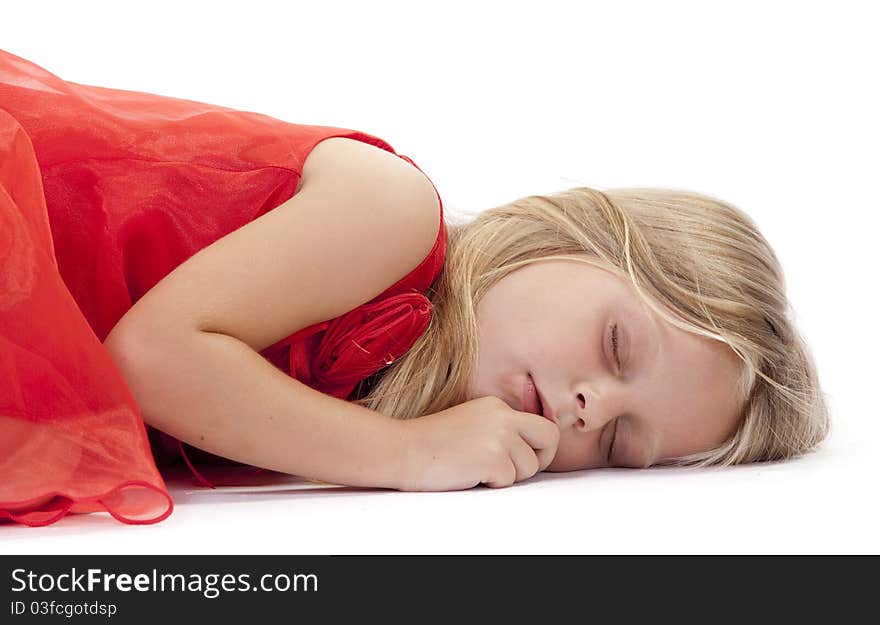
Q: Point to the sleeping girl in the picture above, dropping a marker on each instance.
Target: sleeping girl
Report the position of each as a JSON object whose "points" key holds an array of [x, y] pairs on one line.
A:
{"points": [[181, 276]]}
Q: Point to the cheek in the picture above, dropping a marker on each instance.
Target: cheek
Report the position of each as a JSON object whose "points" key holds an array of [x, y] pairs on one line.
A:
{"points": [[502, 350]]}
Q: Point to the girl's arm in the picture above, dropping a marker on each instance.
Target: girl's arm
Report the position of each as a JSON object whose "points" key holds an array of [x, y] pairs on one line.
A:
{"points": [[214, 392], [363, 219]]}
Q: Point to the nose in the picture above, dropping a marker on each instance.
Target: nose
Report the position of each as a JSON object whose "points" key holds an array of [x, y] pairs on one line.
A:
{"points": [[592, 409]]}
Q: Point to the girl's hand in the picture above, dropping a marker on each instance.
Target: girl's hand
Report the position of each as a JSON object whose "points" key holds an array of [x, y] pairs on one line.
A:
{"points": [[481, 441]]}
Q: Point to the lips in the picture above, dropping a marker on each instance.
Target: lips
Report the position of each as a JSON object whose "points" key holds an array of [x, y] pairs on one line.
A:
{"points": [[540, 403], [546, 409], [530, 402]]}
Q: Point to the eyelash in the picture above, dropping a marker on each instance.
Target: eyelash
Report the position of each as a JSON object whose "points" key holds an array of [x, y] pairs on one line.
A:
{"points": [[613, 440], [614, 344]]}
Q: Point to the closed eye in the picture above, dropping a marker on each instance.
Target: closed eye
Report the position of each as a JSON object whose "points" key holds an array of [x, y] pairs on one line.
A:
{"points": [[613, 440], [614, 349]]}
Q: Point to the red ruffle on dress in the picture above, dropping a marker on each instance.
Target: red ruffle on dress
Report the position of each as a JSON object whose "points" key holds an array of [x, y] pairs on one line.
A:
{"points": [[103, 192]]}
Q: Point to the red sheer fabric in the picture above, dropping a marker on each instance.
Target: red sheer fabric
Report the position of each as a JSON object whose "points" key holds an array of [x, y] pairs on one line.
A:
{"points": [[71, 435], [102, 193]]}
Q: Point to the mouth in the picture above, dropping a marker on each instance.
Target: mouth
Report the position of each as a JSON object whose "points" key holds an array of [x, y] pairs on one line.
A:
{"points": [[548, 414], [529, 401], [532, 401]]}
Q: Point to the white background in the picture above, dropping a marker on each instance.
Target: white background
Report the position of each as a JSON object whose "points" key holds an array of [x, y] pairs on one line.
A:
{"points": [[771, 106]]}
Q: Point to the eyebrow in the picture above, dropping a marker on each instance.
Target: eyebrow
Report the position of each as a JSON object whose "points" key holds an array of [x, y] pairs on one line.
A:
{"points": [[623, 450], [641, 445], [645, 456]]}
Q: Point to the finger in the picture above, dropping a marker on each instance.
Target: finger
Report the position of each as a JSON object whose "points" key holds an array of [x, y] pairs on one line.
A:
{"points": [[504, 475], [542, 435], [525, 459]]}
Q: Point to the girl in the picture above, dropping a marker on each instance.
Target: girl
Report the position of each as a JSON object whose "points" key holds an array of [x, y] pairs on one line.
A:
{"points": [[290, 297]]}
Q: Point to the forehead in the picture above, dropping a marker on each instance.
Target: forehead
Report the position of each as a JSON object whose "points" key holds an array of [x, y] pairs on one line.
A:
{"points": [[690, 387]]}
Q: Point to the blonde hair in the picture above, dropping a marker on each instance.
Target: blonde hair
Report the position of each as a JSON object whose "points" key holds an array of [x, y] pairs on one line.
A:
{"points": [[698, 256]]}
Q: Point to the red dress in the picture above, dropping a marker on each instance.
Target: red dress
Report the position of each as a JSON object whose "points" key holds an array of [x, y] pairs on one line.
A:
{"points": [[102, 193]]}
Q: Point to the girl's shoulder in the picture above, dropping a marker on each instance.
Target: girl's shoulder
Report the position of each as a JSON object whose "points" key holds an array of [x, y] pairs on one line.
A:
{"points": [[334, 153]]}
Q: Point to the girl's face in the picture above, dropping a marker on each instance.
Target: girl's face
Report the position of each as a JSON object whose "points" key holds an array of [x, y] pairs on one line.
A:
{"points": [[674, 393]]}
